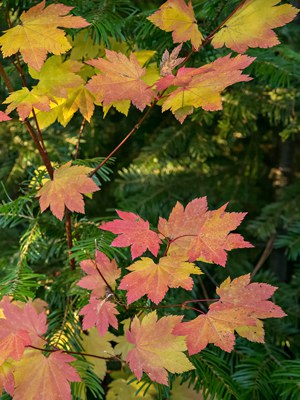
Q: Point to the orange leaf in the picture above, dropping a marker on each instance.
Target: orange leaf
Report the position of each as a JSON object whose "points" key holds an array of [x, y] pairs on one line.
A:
{"points": [[120, 79], [154, 280], [202, 87], [66, 189], [156, 349], [38, 33], [251, 25], [197, 233], [43, 378], [4, 117], [133, 231], [178, 17], [241, 306]]}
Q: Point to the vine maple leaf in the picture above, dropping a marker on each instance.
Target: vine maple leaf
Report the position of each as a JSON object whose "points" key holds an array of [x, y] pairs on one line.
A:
{"points": [[120, 78], [49, 377], [38, 33], [178, 17], [96, 270], [170, 61], [25, 100], [6, 378], [154, 280], [100, 346], [21, 327], [4, 117], [66, 189], [57, 76], [197, 233], [133, 231], [156, 349], [202, 87], [241, 306], [100, 313], [251, 25]]}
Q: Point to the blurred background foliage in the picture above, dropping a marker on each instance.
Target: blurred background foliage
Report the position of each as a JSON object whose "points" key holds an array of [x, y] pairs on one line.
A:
{"points": [[247, 154]]}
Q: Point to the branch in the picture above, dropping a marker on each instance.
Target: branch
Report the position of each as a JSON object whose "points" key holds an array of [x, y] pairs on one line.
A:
{"points": [[133, 130], [68, 224], [79, 138], [267, 251]]}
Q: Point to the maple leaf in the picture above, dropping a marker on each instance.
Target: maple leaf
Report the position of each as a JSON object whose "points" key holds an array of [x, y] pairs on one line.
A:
{"points": [[155, 279], [120, 78], [100, 346], [156, 349], [6, 378], [241, 306], [202, 87], [123, 346], [178, 17], [133, 231], [24, 101], [4, 117], [251, 25], [100, 313], [56, 76], [38, 33], [66, 189], [196, 233], [49, 377], [170, 61], [94, 269], [21, 327], [129, 389]]}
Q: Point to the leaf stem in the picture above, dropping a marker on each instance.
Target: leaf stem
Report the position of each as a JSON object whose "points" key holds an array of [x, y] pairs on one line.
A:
{"points": [[68, 225], [79, 138], [75, 353]]}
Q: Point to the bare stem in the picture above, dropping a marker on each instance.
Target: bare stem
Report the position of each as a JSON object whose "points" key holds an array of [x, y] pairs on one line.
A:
{"points": [[68, 224], [267, 251], [74, 352], [79, 138], [133, 130]]}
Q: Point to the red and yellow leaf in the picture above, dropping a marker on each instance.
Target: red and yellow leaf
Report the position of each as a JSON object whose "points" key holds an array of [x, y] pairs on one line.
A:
{"points": [[24, 101], [154, 280], [6, 378], [252, 25], [196, 233], [240, 308], [66, 189], [94, 269], [100, 313], [42, 378], [120, 78], [202, 87], [178, 17], [157, 350], [38, 33], [133, 231]]}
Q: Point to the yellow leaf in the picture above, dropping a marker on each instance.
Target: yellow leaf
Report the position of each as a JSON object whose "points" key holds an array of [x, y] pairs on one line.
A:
{"points": [[121, 389], [83, 46], [251, 25], [182, 391], [178, 17], [38, 33], [93, 343]]}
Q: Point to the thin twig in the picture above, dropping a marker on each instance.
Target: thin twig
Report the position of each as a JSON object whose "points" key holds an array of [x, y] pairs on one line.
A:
{"points": [[267, 251], [79, 138], [68, 225], [133, 130], [74, 352]]}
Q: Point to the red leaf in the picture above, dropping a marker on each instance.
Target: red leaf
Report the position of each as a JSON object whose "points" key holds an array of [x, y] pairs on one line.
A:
{"points": [[94, 281], [20, 327], [133, 231], [99, 313], [4, 117]]}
